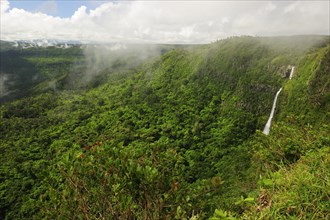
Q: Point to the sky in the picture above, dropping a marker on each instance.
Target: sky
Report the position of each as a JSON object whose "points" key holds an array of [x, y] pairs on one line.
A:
{"points": [[159, 21]]}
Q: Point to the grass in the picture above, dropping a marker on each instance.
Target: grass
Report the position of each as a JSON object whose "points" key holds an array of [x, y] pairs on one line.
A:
{"points": [[301, 191]]}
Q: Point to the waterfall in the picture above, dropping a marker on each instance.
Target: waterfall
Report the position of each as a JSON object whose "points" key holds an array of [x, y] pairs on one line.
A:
{"points": [[291, 73], [269, 122]]}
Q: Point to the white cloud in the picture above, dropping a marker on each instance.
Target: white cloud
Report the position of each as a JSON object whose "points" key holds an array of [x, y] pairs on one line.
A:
{"points": [[4, 6], [169, 21], [291, 7], [80, 14]]}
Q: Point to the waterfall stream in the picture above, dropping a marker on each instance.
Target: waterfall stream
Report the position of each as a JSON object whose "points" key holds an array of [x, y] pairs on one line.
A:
{"points": [[291, 73], [269, 122]]}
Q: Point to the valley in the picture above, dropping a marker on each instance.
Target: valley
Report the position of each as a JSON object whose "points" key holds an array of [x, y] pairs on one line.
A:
{"points": [[167, 131]]}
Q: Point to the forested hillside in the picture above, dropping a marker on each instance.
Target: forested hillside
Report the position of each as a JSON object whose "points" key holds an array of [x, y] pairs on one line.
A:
{"points": [[27, 70], [176, 136], [23, 69]]}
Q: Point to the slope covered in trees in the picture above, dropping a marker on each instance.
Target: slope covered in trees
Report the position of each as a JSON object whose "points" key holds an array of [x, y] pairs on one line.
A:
{"points": [[177, 137], [30, 70], [21, 70]]}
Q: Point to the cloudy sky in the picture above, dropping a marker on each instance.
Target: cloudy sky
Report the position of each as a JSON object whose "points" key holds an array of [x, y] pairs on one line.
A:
{"points": [[159, 21]]}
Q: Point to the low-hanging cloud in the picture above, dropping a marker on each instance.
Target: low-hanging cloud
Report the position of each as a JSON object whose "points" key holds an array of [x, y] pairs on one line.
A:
{"points": [[101, 60], [169, 21]]}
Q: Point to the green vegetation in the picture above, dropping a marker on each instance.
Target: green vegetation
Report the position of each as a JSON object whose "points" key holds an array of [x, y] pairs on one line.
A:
{"points": [[177, 137], [28, 69]]}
